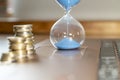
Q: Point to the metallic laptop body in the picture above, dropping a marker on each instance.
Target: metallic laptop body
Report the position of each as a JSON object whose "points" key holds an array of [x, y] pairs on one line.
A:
{"points": [[95, 60], [99, 59]]}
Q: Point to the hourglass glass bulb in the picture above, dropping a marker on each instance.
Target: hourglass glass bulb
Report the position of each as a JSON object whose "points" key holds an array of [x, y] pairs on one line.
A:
{"points": [[67, 33], [68, 4]]}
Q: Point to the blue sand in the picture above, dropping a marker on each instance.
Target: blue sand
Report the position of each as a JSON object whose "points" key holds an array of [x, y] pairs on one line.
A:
{"points": [[67, 4], [67, 43]]}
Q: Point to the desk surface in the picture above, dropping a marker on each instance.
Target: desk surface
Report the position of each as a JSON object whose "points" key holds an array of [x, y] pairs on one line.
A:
{"points": [[53, 64]]}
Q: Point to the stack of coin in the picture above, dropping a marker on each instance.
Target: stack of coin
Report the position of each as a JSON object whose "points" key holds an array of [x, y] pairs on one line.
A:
{"points": [[17, 50], [21, 47], [25, 31], [17, 47]]}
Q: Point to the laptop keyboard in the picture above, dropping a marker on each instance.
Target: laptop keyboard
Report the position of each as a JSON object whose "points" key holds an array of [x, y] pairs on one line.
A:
{"points": [[107, 49], [109, 60], [117, 44]]}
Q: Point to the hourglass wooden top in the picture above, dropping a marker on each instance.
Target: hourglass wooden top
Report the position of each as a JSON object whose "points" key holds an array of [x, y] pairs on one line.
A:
{"points": [[68, 4]]}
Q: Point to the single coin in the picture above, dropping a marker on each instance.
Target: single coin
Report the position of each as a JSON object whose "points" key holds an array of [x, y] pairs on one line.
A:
{"points": [[26, 26], [30, 52], [17, 46], [22, 60], [29, 46], [16, 39], [29, 41], [24, 34], [20, 53], [8, 57], [23, 30]]}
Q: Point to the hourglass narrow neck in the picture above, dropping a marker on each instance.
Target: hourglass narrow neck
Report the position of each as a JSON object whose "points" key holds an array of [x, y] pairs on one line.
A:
{"points": [[67, 12], [67, 16]]}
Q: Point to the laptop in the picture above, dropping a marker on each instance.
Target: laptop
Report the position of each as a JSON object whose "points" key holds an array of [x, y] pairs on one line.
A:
{"points": [[95, 60]]}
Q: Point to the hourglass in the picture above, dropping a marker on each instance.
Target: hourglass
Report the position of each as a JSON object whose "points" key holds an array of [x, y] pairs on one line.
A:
{"points": [[67, 33]]}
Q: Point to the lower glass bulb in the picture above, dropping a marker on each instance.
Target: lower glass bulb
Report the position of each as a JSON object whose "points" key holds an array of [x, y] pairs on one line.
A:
{"points": [[67, 33]]}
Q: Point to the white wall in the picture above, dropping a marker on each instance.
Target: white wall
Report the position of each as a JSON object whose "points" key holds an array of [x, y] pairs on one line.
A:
{"points": [[85, 10]]}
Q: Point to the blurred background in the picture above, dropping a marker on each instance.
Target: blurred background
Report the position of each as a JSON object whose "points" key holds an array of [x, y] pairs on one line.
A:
{"points": [[99, 17], [49, 9]]}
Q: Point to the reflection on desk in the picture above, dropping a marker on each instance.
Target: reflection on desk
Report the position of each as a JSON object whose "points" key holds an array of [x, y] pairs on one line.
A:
{"points": [[56, 65]]}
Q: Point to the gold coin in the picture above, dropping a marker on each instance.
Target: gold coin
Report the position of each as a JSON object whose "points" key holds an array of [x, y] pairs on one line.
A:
{"points": [[29, 41], [30, 52], [22, 30], [18, 44], [17, 48], [22, 60], [29, 46], [24, 34], [26, 26], [32, 37], [16, 39], [8, 57], [20, 53]]}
